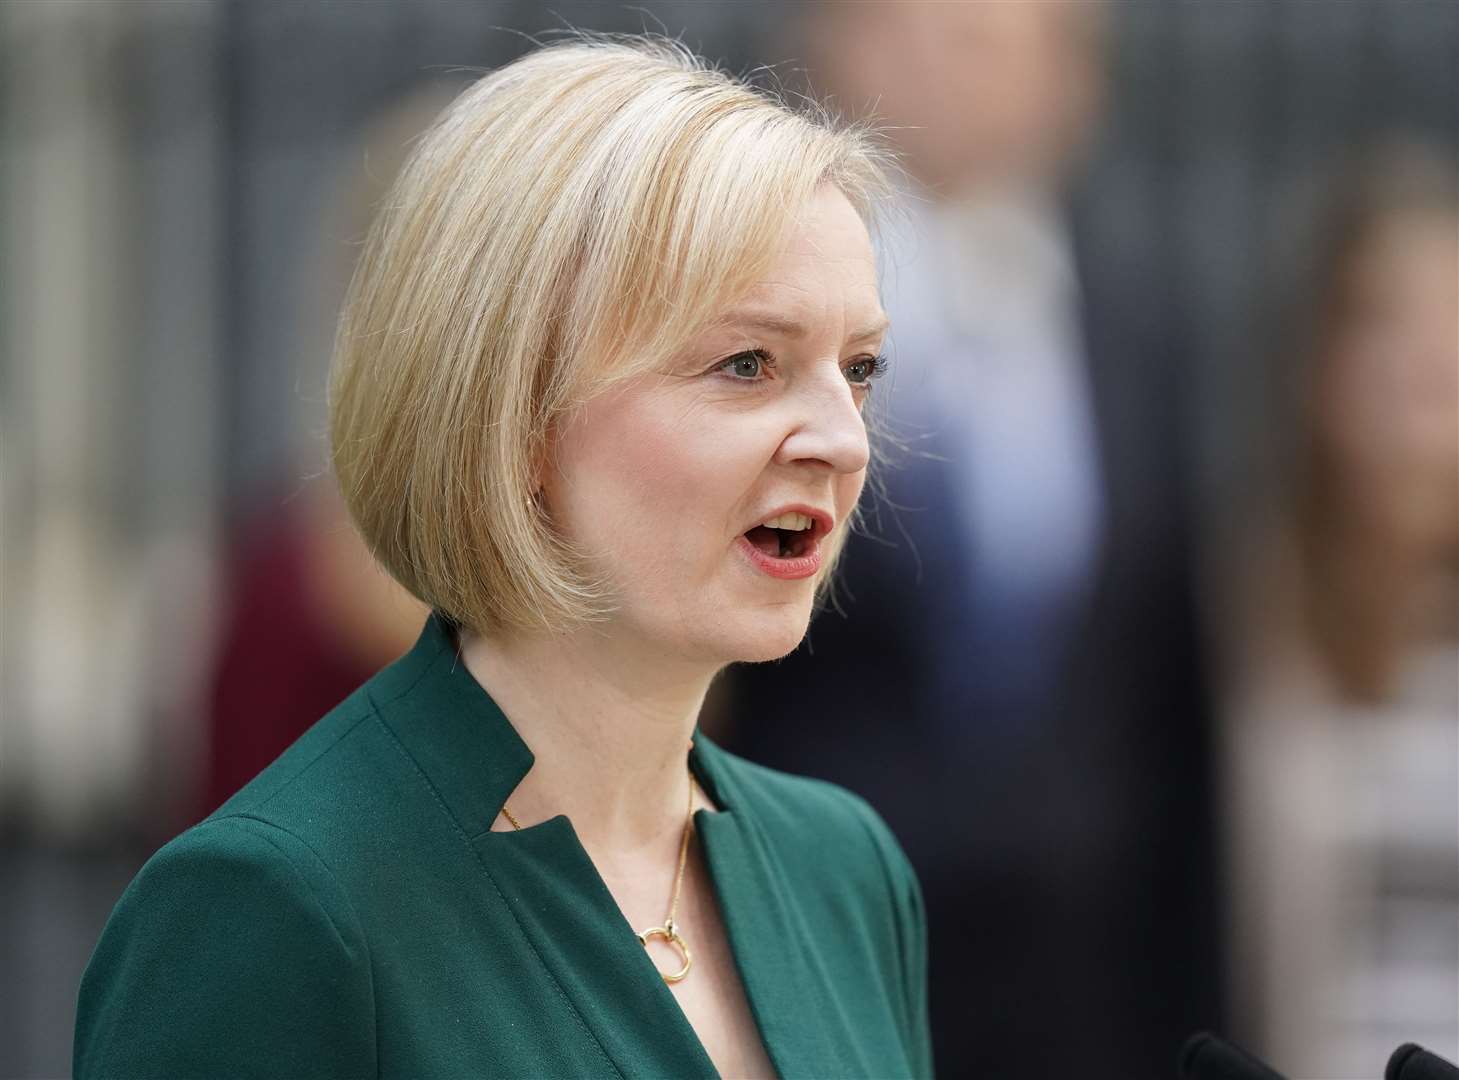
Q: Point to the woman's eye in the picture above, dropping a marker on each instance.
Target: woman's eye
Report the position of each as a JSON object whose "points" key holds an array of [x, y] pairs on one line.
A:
{"points": [[748, 365], [861, 372]]}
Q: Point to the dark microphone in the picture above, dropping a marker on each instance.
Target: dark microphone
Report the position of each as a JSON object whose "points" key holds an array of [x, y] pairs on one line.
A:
{"points": [[1206, 1057], [1413, 1062]]}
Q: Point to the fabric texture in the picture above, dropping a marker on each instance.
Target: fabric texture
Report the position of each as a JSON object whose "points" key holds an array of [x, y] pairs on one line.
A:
{"points": [[350, 913]]}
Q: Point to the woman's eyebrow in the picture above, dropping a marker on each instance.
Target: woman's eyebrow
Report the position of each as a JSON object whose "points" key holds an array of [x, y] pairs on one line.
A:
{"points": [[790, 328]]}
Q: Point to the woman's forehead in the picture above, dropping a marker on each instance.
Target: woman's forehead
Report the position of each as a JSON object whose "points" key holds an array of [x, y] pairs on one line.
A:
{"points": [[793, 324], [825, 267], [828, 226]]}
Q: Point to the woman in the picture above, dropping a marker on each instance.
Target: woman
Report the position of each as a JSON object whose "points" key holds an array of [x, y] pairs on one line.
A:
{"points": [[597, 402], [1342, 719]]}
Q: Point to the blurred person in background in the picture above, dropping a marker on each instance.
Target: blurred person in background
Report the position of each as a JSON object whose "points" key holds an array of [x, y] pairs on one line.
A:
{"points": [[1016, 680], [597, 402], [1342, 722]]}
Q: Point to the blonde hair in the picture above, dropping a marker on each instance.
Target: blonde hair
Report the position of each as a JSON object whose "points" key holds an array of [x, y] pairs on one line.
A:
{"points": [[571, 219]]}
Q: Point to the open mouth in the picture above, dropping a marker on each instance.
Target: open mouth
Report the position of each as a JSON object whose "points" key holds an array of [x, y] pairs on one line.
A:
{"points": [[787, 545], [781, 543]]}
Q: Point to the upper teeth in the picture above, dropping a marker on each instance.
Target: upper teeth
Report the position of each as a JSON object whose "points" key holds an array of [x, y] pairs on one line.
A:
{"points": [[792, 520]]}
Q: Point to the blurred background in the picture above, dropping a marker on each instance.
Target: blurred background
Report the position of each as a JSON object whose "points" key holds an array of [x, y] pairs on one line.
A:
{"points": [[1149, 647]]}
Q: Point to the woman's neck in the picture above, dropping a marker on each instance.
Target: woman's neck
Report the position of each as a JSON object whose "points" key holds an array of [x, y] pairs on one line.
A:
{"points": [[609, 728]]}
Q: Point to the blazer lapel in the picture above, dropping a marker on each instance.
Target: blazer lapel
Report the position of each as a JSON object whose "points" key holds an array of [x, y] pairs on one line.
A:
{"points": [[473, 758], [787, 994]]}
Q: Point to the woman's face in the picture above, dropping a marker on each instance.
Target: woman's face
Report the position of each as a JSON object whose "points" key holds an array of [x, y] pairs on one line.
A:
{"points": [[1388, 395], [664, 481]]}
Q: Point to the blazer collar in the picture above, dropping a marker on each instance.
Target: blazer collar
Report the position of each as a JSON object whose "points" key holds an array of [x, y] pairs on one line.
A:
{"points": [[464, 744]]}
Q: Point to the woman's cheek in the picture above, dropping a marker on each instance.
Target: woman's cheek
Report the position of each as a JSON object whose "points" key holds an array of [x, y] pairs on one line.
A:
{"points": [[851, 486]]}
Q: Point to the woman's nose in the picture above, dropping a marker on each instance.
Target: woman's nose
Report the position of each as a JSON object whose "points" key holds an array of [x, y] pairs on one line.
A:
{"points": [[826, 426]]}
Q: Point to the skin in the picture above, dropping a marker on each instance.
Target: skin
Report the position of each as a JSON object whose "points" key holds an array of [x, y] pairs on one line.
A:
{"points": [[655, 482], [1388, 404], [978, 95], [1386, 432]]}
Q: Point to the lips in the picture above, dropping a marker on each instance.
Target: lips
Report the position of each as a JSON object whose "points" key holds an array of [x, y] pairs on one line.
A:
{"points": [[787, 567], [786, 553]]}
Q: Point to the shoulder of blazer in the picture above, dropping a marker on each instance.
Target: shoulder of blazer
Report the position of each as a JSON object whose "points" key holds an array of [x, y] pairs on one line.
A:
{"points": [[234, 951]]}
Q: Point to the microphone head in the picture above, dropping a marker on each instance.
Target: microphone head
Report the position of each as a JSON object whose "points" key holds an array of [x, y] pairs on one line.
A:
{"points": [[1412, 1062], [1192, 1050], [1205, 1057]]}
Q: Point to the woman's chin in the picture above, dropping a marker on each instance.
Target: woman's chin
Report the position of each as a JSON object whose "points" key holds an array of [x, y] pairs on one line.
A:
{"points": [[773, 642], [764, 656]]}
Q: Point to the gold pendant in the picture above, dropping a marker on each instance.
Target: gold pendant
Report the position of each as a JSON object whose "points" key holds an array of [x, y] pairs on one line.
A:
{"points": [[670, 934]]}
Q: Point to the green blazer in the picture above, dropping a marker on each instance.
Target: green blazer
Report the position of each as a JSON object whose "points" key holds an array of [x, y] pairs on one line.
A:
{"points": [[349, 913]]}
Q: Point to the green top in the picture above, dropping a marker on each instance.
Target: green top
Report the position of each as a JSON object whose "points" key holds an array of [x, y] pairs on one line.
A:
{"points": [[349, 913]]}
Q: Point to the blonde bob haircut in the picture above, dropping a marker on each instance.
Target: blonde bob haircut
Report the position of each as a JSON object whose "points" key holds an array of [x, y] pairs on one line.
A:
{"points": [[572, 219]]}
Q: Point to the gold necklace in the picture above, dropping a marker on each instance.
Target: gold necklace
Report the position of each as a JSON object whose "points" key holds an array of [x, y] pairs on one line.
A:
{"points": [[669, 931]]}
